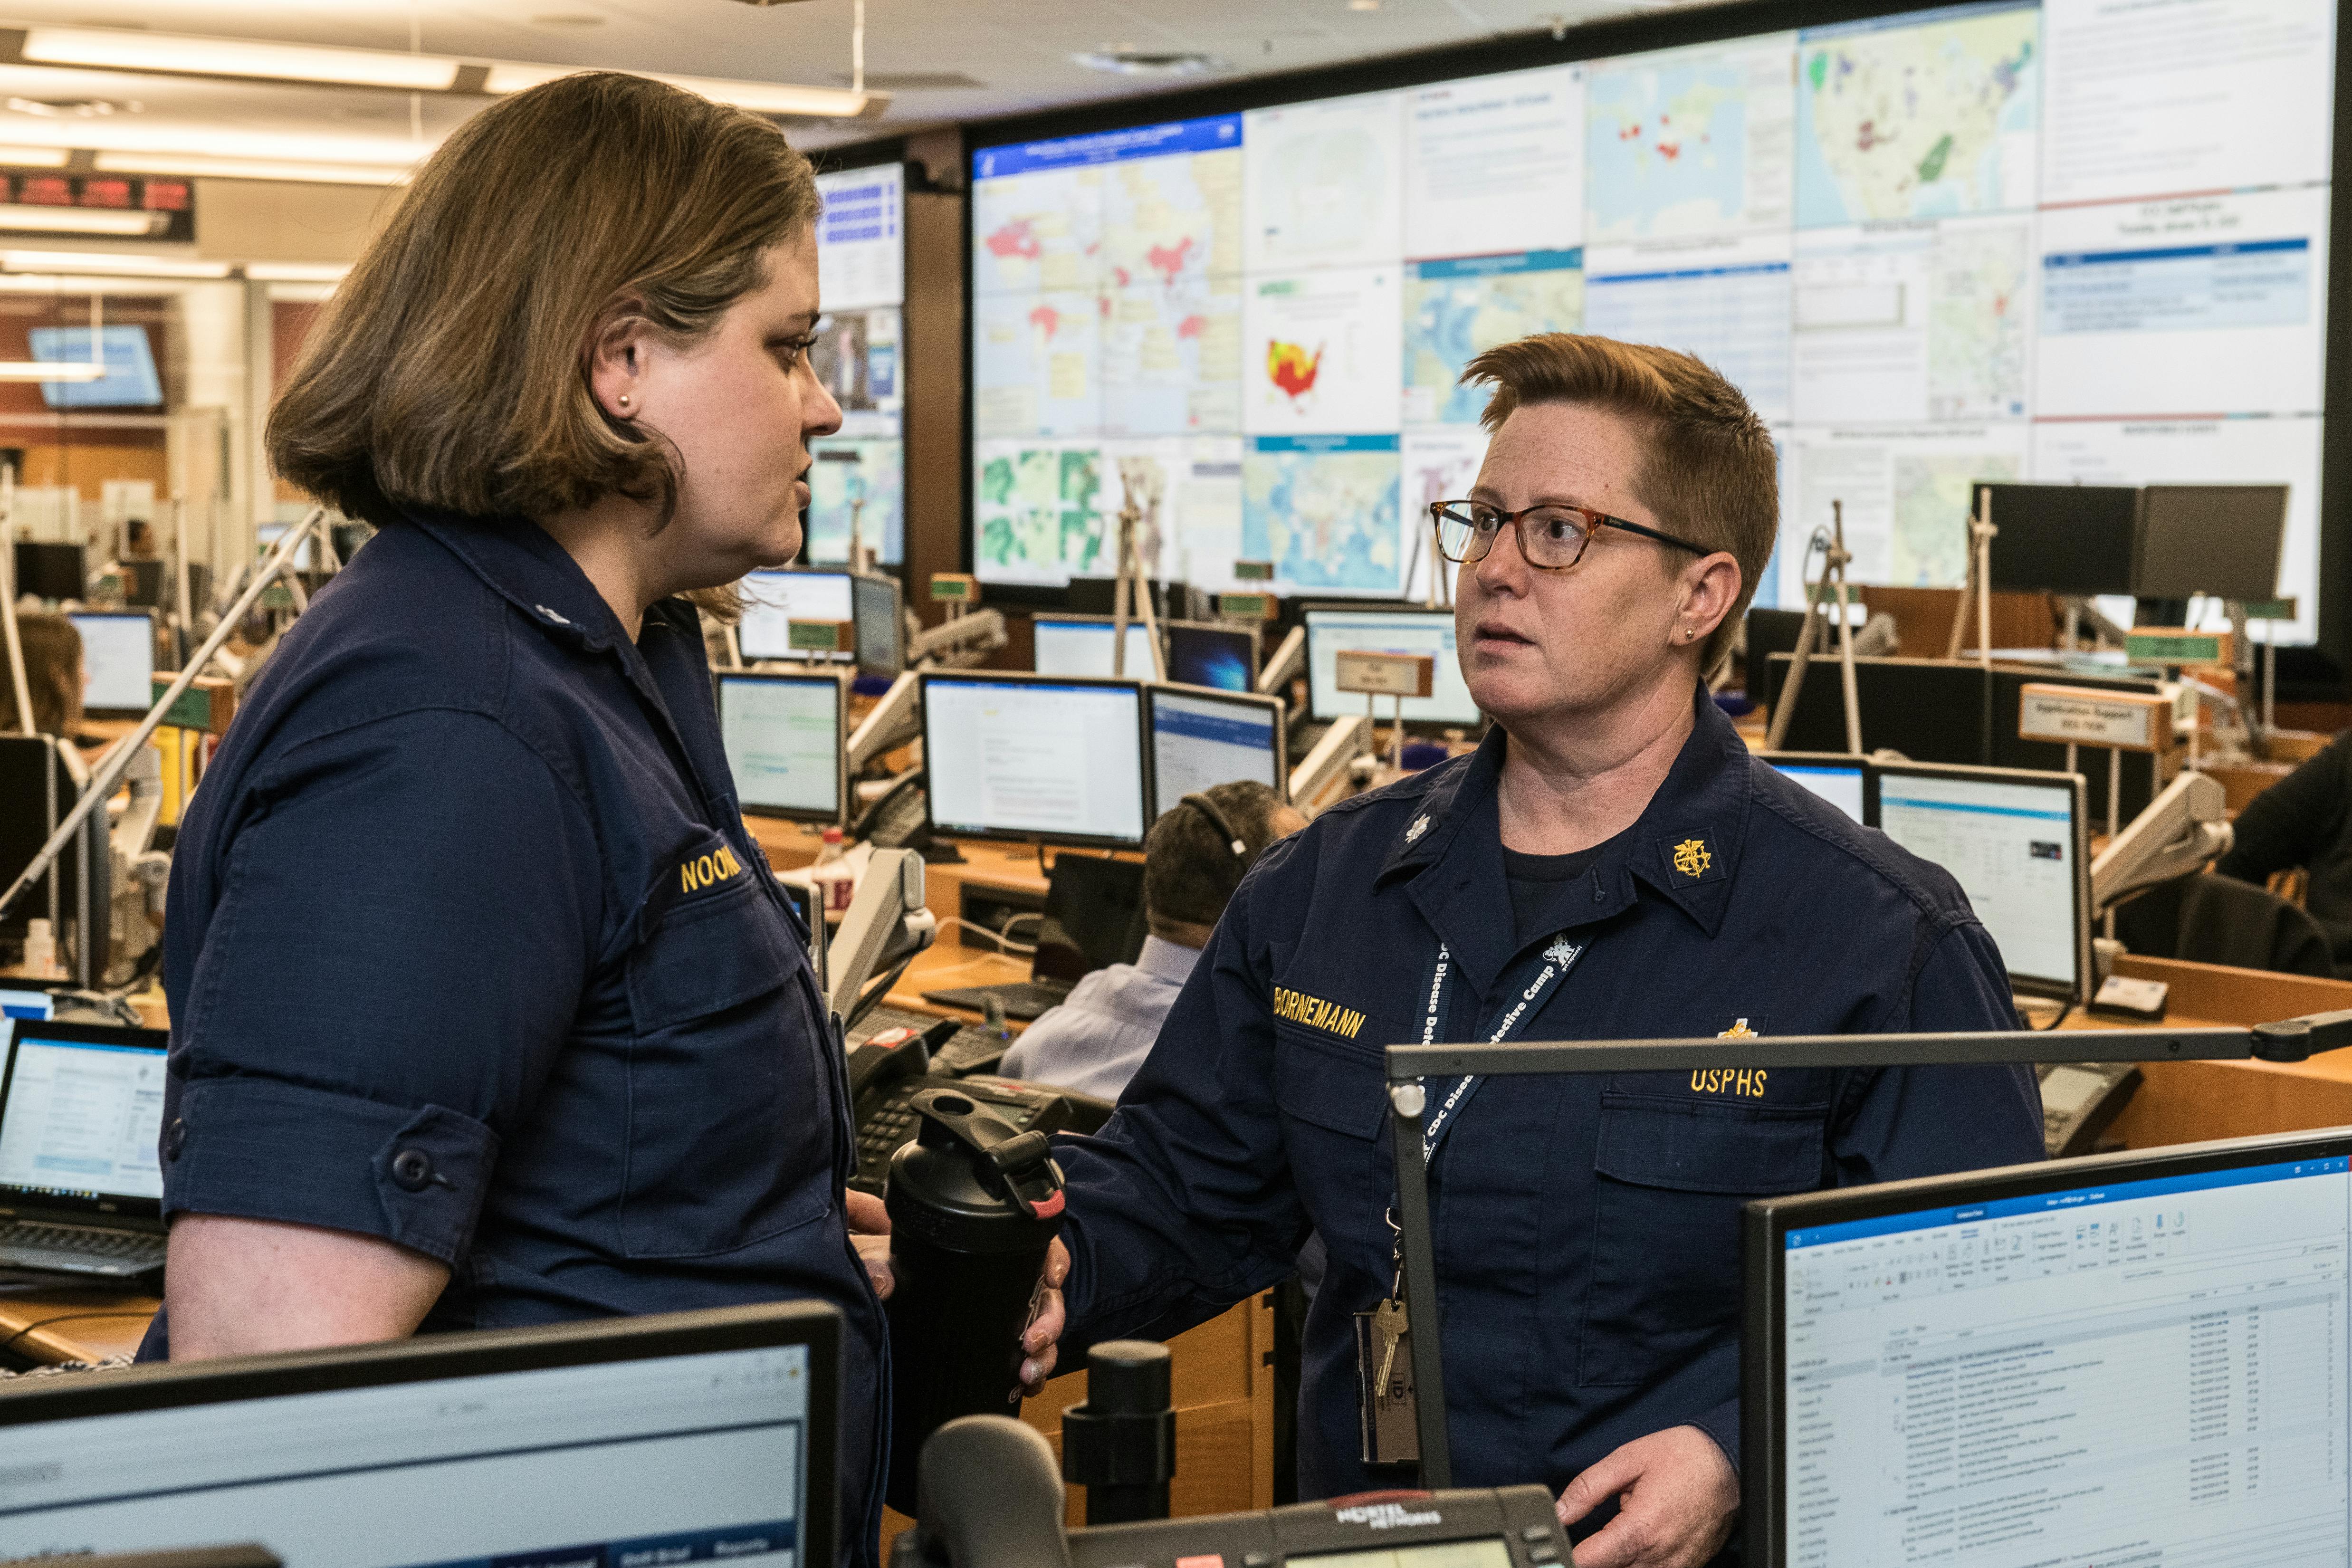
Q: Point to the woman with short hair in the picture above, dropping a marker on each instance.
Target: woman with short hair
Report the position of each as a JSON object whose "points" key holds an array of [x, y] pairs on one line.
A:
{"points": [[486, 1010]]}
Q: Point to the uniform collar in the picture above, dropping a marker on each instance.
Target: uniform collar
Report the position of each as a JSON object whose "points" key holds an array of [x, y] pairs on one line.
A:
{"points": [[1686, 846], [527, 567]]}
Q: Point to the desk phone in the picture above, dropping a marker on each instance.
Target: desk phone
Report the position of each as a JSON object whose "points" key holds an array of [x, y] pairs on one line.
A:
{"points": [[892, 1068]]}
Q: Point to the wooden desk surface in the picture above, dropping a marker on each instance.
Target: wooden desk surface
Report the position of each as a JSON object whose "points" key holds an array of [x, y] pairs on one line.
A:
{"points": [[74, 1324]]}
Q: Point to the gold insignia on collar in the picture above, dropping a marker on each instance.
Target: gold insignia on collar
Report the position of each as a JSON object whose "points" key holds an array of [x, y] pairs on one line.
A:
{"points": [[1739, 1031], [1691, 858]]}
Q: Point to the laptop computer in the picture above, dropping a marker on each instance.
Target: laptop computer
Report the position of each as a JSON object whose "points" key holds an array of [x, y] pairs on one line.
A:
{"points": [[81, 1188], [1094, 919]]}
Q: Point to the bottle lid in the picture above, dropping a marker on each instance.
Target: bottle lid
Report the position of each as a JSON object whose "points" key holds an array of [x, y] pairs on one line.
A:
{"points": [[831, 835]]}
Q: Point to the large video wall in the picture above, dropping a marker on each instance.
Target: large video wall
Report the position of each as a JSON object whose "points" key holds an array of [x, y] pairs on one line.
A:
{"points": [[860, 475], [2084, 241]]}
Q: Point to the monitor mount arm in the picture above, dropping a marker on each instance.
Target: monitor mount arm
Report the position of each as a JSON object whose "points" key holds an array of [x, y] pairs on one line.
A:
{"points": [[1835, 556], [1412, 1067], [117, 761]]}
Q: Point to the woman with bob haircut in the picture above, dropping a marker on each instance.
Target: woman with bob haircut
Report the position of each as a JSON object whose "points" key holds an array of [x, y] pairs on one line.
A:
{"points": [[486, 1010]]}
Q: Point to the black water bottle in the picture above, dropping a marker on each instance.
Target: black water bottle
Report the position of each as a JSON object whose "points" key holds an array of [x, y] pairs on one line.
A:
{"points": [[973, 1203]]}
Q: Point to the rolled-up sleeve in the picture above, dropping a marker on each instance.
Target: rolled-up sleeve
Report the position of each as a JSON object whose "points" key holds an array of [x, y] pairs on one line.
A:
{"points": [[408, 913]]}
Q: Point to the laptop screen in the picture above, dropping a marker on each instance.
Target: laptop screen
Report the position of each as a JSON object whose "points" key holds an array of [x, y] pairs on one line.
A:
{"points": [[81, 1114], [717, 1448], [21, 1002]]}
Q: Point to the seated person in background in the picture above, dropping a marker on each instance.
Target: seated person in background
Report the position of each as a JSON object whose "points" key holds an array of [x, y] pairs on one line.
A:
{"points": [[2305, 820], [1096, 1040], [53, 673]]}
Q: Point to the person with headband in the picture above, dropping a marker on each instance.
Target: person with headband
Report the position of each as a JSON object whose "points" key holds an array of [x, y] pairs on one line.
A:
{"points": [[1611, 863], [486, 1010]]}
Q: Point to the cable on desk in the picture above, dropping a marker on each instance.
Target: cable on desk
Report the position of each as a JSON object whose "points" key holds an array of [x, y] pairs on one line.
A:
{"points": [[10, 1342], [2064, 1012], [1003, 943]]}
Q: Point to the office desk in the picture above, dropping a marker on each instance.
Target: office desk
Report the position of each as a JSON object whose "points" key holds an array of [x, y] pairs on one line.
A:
{"points": [[71, 1322], [2188, 1102]]}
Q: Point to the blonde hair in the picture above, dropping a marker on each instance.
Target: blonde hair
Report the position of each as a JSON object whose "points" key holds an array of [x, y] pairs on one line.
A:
{"points": [[1710, 474], [450, 370]]}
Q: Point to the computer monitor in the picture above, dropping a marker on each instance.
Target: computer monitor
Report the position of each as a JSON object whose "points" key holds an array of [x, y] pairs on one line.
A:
{"points": [[37, 788], [18, 1000], [50, 570], [2221, 540], [1202, 653], [1081, 645], [627, 1442], [774, 600], [1200, 739], [1333, 629], [1053, 759], [118, 662], [2060, 539], [1094, 918], [2015, 842], [143, 582], [80, 1111], [881, 625], [783, 736], [2133, 1358], [1836, 779], [305, 554], [129, 381]]}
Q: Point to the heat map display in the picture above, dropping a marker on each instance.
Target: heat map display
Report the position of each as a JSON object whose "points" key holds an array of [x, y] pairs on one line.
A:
{"points": [[2074, 240], [858, 482]]}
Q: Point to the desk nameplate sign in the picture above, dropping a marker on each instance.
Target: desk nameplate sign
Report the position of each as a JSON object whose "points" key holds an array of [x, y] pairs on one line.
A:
{"points": [[2175, 644], [1386, 674], [1248, 607], [821, 637], [2076, 716], [954, 588]]}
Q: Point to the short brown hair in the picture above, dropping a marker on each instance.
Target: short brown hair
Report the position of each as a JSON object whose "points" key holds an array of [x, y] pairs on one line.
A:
{"points": [[52, 646], [1711, 475], [1189, 869], [450, 369]]}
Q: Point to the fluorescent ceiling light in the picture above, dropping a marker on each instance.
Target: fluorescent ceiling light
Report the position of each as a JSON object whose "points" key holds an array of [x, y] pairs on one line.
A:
{"points": [[296, 271], [36, 157], [42, 370], [759, 97], [249, 168], [181, 54], [121, 223], [125, 262]]}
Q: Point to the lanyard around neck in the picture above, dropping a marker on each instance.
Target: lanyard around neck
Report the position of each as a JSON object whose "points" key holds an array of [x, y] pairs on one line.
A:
{"points": [[1558, 959]]}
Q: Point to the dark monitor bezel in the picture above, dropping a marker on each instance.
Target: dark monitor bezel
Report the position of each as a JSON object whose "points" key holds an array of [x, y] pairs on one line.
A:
{"points": [[34, 549], [1023, 835], [2078, 989], [2112, 552], [1472, 725], [1254, 631], [863, 584], [1135, 624], [1264, 702], [118, 1205], [161, 1385], [802, 655], [718, 680], [2155, 504], [147, 616], [1765, 1224]]}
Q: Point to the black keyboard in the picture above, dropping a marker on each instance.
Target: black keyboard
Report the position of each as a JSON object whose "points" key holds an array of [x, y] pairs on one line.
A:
{"points": [[136, 1247], [974, 1048], [1026, 1000], [881, 1134]]}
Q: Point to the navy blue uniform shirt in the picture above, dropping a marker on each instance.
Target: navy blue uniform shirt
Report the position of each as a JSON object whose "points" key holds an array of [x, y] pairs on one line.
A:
{"points": [[1586, 1227], [467, 948]]}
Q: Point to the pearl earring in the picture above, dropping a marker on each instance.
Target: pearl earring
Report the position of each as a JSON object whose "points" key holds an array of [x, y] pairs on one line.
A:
{"points": [[625, 400]]}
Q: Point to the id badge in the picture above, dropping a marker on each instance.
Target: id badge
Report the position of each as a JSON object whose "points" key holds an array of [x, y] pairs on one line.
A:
{"points": [[1390, 1427]]}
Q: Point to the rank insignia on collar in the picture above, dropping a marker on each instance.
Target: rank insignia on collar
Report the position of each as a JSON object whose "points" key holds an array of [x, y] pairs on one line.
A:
{"points": [[1739, 1031], [1690, 857], [1419, 825]]}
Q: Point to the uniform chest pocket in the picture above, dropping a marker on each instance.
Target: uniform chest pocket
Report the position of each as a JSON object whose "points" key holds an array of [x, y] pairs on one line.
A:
{"points": [[1333, 1104], [731, 1134], [1669, 1180]]}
